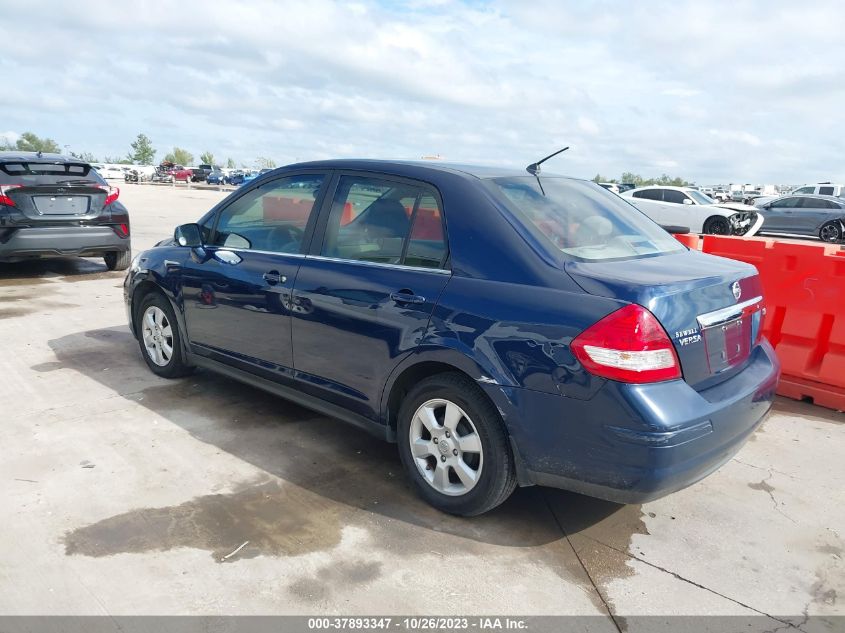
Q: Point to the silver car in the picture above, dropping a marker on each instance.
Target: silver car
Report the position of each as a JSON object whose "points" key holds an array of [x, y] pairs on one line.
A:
{"points": [[817, 216]]}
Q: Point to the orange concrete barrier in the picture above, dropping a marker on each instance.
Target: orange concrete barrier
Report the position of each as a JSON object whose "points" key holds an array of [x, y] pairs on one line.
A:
{"points": [[804, 286]]}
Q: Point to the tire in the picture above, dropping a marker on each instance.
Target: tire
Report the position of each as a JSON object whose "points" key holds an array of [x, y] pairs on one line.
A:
{"points": [[158, 332], [831, 232], [118, 260], [488, 472], [717, 225]]}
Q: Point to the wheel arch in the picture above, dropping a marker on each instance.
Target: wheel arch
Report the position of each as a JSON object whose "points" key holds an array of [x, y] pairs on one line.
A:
{"points": [[146, 285], [420, 365]]}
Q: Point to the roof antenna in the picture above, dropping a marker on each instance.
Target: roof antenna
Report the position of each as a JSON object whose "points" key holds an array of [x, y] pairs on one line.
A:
{"points": [[534, 168]]}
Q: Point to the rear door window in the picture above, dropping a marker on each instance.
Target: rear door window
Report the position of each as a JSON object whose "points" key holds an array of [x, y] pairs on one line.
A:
{"points": [[825, 191], [649, 194], [385, 221]]}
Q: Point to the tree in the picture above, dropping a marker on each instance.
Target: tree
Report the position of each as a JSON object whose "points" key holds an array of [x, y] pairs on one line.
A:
{"points": [[634, 179], [29, 142], [142, 151], [207, 158], [230, 163], [264, 163], [180, 156], [116, 160]]}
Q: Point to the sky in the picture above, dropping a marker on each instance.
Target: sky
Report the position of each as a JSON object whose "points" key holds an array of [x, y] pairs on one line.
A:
{"points": [[713, 92]]}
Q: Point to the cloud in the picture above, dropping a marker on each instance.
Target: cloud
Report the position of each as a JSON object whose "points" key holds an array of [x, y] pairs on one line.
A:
{"points": [[640, 89]]}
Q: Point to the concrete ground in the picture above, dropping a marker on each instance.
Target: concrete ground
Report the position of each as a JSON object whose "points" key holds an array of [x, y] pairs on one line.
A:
{"points": [[124, 493]]}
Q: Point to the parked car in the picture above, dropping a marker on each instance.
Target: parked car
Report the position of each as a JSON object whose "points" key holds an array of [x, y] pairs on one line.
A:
{"points": [[626, 186], [216, 177], [593, 352], [207, 169], [248, 176], [53, 205], [110, 172], [686, 207], [720, 195], [236, 178], [197, 175], [815, 216], [821, 189], [178, 172], [611, 186]]}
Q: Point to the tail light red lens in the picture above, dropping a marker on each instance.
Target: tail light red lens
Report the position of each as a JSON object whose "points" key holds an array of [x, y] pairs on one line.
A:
{"points": [[628, 345], [112, 193], [122, 230], [4, 198]]}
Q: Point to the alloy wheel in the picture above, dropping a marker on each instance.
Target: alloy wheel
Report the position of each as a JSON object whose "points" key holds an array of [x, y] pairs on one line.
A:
{"points": [[446, 447], [157, 335]]}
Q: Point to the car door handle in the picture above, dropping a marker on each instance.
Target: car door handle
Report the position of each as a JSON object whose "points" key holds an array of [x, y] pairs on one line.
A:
{"points": [[273, 277], [406, 296]]}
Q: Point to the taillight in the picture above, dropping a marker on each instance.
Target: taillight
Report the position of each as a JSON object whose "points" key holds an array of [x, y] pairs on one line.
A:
{"points": [[112, 193], [5, 199], [628, 345], [122, 230]]}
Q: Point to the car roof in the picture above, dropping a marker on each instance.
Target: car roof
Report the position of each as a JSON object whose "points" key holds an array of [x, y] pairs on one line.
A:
{"points": [[478, 171], [33, 157], [838, 199]]}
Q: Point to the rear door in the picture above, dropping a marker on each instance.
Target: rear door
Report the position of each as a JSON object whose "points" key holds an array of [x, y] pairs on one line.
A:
{"points": [[365, 293], [236, 290], [650, 202], [812, 213]]}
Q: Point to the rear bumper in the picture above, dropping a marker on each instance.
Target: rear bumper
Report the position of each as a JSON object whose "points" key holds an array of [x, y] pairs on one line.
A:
{"points": [[635, 443], [52, 241]]}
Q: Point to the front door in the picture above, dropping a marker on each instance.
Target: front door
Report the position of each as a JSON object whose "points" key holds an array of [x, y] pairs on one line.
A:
{"points": [[363, 299], [236, 290]]}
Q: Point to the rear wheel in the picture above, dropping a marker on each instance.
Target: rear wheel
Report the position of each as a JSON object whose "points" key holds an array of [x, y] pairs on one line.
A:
{"points": [[717, 225], [454, 447], [160, 338], [830, 232], [118, 260]]}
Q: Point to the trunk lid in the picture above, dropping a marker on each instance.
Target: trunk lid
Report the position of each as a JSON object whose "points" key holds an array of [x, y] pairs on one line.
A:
{"points": [[693, 296], [51, 203]]}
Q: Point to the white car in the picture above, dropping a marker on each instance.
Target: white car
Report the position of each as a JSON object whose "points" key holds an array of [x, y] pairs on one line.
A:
{"points": [[687, 207], [110, 172], [820, 189]]}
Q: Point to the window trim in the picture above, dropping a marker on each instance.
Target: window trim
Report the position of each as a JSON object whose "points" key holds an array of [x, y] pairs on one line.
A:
{"points": [[316, 248], [313, 217]]}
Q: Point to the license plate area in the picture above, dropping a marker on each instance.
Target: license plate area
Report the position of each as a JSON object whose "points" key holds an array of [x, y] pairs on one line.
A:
{"points": [[61, 205], [728, 343]]}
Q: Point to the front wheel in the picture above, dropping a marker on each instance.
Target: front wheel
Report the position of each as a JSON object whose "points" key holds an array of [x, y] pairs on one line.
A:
{"points": [[159, 337], [717, 225], [830, 232], [118, 260], [454, 447]]}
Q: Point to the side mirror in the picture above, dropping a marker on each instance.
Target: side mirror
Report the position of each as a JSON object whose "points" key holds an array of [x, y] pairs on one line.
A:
{"points": [[188, 235], [687, 201]]}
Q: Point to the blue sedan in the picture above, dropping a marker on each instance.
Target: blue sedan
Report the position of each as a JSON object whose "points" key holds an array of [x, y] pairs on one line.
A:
{"points": [[503, 328]]}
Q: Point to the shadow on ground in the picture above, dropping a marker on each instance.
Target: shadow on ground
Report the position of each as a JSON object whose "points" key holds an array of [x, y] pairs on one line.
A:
{"points": [[36, 271], [341, 475]]}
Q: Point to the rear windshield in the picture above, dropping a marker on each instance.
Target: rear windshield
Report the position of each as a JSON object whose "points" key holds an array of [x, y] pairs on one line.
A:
{"points": [[26, 173], [584, 220]]}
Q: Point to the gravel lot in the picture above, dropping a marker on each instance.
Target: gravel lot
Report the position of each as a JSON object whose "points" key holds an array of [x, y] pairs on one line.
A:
{"points": [[124, 493]]}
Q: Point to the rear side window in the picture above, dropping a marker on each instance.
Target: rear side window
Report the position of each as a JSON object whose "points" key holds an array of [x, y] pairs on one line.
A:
{"points": [[583, 220], [825, 191], [385, 221], [816, 203], [35, 173]]}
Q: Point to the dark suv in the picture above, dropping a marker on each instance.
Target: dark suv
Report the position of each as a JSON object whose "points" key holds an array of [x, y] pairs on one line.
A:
{"points": [[53, 205], [502, 327]]}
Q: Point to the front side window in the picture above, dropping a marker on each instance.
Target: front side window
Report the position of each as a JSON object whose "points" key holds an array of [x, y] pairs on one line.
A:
{"points": [[272, 217], [386, 222], [583, 220], [786, 203], [674, 196]]}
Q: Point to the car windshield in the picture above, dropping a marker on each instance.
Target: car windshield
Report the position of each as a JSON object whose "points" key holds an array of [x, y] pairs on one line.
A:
{"points": [[584, 220], [699, 197]]}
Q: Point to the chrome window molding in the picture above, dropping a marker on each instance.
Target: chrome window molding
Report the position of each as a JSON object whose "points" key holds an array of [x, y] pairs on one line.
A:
{"points": [[361, 262]]}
